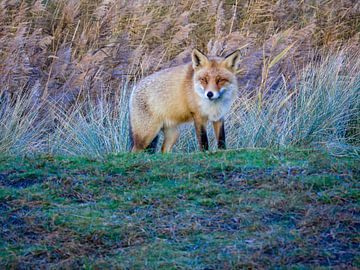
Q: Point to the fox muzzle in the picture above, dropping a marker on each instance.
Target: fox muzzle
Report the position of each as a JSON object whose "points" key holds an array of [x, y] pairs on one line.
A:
{"points": [[212, 95]]}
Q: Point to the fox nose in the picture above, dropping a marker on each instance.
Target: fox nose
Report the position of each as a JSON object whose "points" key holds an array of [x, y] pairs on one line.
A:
{"points": [[210, 94]]}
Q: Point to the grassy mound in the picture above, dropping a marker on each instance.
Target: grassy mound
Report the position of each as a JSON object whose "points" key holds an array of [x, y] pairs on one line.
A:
{"points": [[218, 210]]}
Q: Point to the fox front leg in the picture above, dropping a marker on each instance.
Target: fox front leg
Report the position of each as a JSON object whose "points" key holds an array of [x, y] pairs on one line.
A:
{"points": [[201, 135], [219, 130]]}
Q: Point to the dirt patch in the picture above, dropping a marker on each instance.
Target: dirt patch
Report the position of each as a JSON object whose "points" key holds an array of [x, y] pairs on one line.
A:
{"points": [[5, 180], [248, 178]]}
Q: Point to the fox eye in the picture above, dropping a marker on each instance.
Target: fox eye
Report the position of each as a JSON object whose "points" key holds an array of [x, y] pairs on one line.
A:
{"points": [[221, 81], [203, 80]]}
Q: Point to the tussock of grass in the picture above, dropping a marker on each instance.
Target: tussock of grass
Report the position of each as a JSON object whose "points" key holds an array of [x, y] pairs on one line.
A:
{"points": [[319, 108], [23, 128], [93, 129], [234, 209]]}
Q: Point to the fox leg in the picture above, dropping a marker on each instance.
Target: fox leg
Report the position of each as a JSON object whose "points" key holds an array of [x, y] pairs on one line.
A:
{"points": [[144, 137], [219, 129], [170, 136], [201, 135]]}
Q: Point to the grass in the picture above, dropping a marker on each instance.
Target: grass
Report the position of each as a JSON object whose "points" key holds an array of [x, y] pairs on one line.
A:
{"points": [[255, 208]]}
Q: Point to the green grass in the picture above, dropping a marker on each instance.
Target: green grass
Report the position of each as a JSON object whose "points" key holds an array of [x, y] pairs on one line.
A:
{"points": [[256, 208]]}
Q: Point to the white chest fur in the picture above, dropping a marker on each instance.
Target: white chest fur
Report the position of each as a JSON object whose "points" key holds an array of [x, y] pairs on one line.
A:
{"points": [[215, 110]]}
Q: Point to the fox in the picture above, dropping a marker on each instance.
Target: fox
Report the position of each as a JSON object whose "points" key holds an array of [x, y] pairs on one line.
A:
{"points": [[202, 90]]}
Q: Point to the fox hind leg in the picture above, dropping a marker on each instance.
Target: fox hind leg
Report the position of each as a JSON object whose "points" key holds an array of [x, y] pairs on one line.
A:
{"points": [[145, 138]]}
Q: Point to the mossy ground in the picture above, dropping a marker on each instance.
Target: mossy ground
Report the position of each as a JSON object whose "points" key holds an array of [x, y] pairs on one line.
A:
{"points": [[219, 210]]}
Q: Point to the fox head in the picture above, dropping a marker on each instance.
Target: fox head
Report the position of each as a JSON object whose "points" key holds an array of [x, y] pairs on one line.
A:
{"points": [[215, 79]]}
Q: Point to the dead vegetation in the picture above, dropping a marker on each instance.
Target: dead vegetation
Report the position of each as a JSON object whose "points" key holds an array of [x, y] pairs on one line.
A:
{"points": [[67, 68], [65, 49]]}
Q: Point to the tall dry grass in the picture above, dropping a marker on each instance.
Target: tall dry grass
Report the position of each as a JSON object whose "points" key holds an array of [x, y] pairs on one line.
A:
{"points": [[73, 48], [75, 58]]}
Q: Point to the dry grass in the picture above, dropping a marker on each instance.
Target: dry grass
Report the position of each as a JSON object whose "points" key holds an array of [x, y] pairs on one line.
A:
{"points": [[320, 109], [72, 56], [77, 47]]}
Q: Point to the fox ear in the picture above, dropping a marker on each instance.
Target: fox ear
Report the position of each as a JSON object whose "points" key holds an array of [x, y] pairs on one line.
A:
{"points": [[198, 58], [231, 60]]}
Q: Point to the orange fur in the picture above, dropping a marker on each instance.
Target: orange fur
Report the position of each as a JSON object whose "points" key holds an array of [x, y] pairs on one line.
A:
{"points": [[170, 97]]}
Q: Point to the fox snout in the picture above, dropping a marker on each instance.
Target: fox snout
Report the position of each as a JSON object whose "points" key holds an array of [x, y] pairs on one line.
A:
{"points": [[213, 95]]}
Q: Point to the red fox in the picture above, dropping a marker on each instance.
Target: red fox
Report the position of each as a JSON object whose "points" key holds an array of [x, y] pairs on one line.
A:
{"points": [[200, 91]]}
